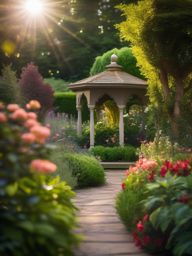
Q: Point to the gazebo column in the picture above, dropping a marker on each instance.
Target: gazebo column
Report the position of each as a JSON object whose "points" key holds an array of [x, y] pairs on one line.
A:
{"points": [[92, 139], [79, 120], [121, 125]]}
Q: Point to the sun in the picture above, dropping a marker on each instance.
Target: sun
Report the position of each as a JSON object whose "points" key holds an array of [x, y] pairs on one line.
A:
{"points": [[34, 7]]}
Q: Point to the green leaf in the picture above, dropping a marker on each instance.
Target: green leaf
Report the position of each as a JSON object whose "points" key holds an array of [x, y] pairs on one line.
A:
{"points": [[154, 216], [180, 212], [11, 189], [183, 249], [153, 203]]}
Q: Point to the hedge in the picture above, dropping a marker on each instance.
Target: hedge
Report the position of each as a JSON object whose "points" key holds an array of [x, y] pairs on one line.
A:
{"points": [[113, 154], [65, 102]]}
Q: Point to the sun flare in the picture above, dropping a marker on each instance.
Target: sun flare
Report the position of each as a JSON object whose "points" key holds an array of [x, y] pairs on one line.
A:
{"points": [[34, 7]]}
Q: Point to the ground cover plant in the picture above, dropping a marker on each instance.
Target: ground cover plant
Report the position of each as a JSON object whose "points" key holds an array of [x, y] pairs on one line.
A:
{"points": [[37, 215], [155, 205]]}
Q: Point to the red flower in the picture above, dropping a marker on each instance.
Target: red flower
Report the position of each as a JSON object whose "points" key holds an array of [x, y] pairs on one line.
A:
{"points": [[184, 199], [123, 186], [145, 218], [151, 176], [140, 226], [158, 242], [163, 170], [146, 240]]}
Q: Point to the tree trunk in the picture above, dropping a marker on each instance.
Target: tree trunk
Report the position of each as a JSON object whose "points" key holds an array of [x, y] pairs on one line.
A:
{"points": [[165, 84], [176, 115]]}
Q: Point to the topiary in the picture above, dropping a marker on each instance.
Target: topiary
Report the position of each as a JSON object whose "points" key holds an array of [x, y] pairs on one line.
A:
{"points": [[125, 58], [86, 169], [37, 216]]}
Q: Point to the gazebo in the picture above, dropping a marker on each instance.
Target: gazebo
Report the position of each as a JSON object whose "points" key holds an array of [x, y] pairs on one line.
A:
{"points": [[114, 82]]}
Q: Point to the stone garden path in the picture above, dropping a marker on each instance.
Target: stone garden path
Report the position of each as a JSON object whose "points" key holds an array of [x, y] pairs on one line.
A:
{"points": [[104, 234]]}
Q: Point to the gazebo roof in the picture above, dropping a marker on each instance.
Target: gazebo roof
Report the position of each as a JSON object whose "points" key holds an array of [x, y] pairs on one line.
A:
{"points": [[112, 77]]}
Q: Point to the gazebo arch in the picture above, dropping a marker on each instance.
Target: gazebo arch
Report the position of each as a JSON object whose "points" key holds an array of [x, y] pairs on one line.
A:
{"points": [[115, 83]]}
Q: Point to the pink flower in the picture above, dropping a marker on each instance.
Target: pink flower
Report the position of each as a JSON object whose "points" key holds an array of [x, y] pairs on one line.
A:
{"points": [[41, 133], [28, 138], [3, 118], [30, 123], [140, 226], [19, 114], [123, 186], [43, 166], [33, 104], [12, 107], [32, 115]]}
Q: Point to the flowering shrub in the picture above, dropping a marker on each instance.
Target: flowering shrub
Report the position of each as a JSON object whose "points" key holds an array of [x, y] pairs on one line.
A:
{"points": [[160, 149], [180, 168], [163, 195], [37, 216], [147, 237], [169, 205], [133, 191]]}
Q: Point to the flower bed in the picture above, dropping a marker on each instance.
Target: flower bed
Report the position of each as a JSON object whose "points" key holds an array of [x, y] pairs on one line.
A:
{"points": [[37, 216], [156, 205]]}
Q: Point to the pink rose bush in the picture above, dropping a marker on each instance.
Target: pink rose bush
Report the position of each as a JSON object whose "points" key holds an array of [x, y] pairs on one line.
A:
{"points": [[32, 201]]}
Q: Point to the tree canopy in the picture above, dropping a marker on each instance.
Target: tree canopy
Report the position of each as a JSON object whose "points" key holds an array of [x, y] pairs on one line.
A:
{"points": [[160, 32], [66, 43], [125, 58]]}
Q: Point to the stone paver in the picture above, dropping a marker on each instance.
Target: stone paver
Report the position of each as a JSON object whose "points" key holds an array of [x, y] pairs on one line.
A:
{"points": [[103, 232]]}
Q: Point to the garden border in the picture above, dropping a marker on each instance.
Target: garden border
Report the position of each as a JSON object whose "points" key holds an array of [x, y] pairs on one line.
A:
{"points": [[116, 165]]}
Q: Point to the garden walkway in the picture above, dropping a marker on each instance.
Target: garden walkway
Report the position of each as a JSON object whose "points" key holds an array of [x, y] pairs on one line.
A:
{"points": [[104, 234]]}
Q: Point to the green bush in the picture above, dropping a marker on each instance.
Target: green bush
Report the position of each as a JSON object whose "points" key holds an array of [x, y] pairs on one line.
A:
{"points": [[58, 85], [170, 209], [125, 58], [10, 91], [113, 154], [128, 206], [63, 170], [65, 102], [86, 169], [37, 216]]}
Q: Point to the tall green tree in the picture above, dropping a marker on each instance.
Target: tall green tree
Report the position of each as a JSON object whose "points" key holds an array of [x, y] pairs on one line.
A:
{"points": [[160, 32]]}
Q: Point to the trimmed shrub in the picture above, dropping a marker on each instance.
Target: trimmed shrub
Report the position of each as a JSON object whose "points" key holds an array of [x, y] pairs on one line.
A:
{"points": [[113, 154], [34, 88], [86, 169], [65, 102], [37, 216], [125, 58]]}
